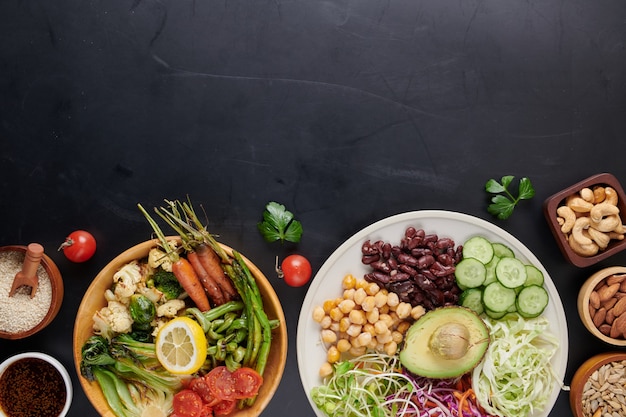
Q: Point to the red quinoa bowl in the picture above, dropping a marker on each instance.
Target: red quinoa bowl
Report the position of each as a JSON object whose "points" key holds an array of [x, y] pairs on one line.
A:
{"points": [[22, 316]]}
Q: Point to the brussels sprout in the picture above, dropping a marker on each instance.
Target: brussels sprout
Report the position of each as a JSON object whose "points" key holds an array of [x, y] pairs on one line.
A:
{"points": [[142, 310]]}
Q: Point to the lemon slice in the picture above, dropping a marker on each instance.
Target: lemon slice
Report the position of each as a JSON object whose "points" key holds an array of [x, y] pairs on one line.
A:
{"points": [[181, 346]]}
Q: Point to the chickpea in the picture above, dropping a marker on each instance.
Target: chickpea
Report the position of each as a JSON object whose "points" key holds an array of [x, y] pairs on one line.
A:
{"points": [[336, 314], [384, 309], [403, 310], [318, 314], [361, 284], [328, 336], [417, 312], [344, 323], [384, 338], [392, 299], [369, 328], [397, 337], [328, 305], [346, 306], [326, 322], [326, 370], [357, 317], [364, 339], [368, 303], [358, 351], [391, 348], [380, 299], [333, 354], [354, 330], [334, 326], [403, 327], [386, 318], [372, 316], [359, 296], [349, 282], [349, 294], [380, 327], [371, 288], [343, 345]]}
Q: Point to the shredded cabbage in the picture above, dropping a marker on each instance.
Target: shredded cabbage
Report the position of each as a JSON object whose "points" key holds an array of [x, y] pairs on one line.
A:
{"points": [[373, 385], [516, 377]]}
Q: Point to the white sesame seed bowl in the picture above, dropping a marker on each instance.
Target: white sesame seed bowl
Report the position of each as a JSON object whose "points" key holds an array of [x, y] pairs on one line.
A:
{"points": [[34, 383], [22, 315]]}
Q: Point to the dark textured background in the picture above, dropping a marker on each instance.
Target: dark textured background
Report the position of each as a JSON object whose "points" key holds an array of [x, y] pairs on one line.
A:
{"points": [[347, 111]]}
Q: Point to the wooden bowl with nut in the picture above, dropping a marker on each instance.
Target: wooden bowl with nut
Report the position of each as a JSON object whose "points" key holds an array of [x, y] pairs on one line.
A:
{"points": [[602, 305], [587, 219], [597, 386]]}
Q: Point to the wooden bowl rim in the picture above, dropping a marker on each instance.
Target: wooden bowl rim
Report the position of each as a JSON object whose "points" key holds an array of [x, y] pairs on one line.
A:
{"points": [[583, 303], [56, 283], [279, 336]]}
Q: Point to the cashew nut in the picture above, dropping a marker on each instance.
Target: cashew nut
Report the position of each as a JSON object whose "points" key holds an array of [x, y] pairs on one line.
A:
{"points": [[583, 250], [610, 195], [602, 239], [598, 194], [616, 235], [568, 216], [587, 194], [607, 224], [578, 204], [599, 211], [581, 224]]}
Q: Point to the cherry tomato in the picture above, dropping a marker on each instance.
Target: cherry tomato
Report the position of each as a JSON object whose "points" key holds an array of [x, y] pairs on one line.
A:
{"points": [[221, 383], [224, 407], [296, 270], [247, 382], [79, 246], [200, 385], [187, 403]]}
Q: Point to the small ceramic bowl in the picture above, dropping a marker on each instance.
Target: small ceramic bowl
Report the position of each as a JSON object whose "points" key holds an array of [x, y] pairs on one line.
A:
{"points": [[583, 375], [589, 304], [55, 396], [57, 291], [94, 299], [552, 204]]}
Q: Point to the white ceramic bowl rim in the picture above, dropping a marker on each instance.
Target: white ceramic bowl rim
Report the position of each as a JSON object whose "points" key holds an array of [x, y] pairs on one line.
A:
{"points": [[54, 362]]}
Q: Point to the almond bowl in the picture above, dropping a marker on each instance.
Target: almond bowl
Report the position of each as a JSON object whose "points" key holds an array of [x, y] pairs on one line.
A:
{"points": [[615, 244], [43, 307], [94, 299], [598, 299], [587, 379]]}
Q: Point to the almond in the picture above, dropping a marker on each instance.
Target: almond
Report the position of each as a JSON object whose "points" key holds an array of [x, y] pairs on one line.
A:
{"points": [[622, 286], [607, 292], [599, 317], [610, 316], [605, 329], [618, 328], [608, 304], [613, 279], [594, 300], [620, 307]]}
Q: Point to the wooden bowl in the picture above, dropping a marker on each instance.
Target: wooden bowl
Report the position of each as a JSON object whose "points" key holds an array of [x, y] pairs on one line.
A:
{"points": [[56, 283], [582, 374], [94, 299], [552, 203], [584, 300]]}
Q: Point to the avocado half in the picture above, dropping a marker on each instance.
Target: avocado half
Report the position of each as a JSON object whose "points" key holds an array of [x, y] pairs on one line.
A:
{"points": [[445, 343]]}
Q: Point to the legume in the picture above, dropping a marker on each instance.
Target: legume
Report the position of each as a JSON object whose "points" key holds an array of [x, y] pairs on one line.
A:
{"points": [[21, 312]]}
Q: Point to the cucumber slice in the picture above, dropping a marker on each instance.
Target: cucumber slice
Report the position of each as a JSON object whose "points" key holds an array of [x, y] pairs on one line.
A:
{"points": [[533, 275], [491, 270], [495, 314], [511, 272], [531, 301], [478, 247], [498, 298], [503, 251], [470, 273], [472, 299]]}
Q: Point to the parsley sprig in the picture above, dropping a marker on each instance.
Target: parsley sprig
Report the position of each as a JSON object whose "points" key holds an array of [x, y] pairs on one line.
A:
{"points": [[503, 203], [279, 224]]}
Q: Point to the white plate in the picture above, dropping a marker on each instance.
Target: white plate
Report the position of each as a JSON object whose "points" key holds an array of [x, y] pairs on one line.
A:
{"points": [[347, 259]]}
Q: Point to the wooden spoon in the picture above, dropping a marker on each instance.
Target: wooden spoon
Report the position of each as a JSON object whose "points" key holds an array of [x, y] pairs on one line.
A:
{"points": [[28, 275]]}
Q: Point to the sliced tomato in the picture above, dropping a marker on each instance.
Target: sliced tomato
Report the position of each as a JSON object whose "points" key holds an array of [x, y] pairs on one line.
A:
{"points": [[187, 403], [224, 407], [247, 382], [221, 383], [207, 411]]}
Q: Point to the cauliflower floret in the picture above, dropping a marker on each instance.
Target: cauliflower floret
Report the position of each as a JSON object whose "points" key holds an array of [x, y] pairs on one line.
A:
{"points": [[158, 258], [170, 308], [112, 319], [126, 280]]}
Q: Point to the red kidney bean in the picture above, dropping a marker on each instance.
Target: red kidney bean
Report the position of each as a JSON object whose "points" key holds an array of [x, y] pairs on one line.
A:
{"points": [[420, 269]]}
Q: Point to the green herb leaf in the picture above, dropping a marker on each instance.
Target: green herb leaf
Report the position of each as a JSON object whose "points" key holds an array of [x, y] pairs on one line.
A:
{"points": [[503, 203], [279, 224]]}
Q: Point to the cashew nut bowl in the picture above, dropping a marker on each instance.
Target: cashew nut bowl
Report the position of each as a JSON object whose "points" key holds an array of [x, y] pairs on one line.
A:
{"points": [[607, 367], [587, 219], [600, 308]]}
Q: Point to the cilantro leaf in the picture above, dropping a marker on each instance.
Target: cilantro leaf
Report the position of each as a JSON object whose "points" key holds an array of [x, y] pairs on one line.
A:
{"points": [[279, 224], [503, 203]]}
